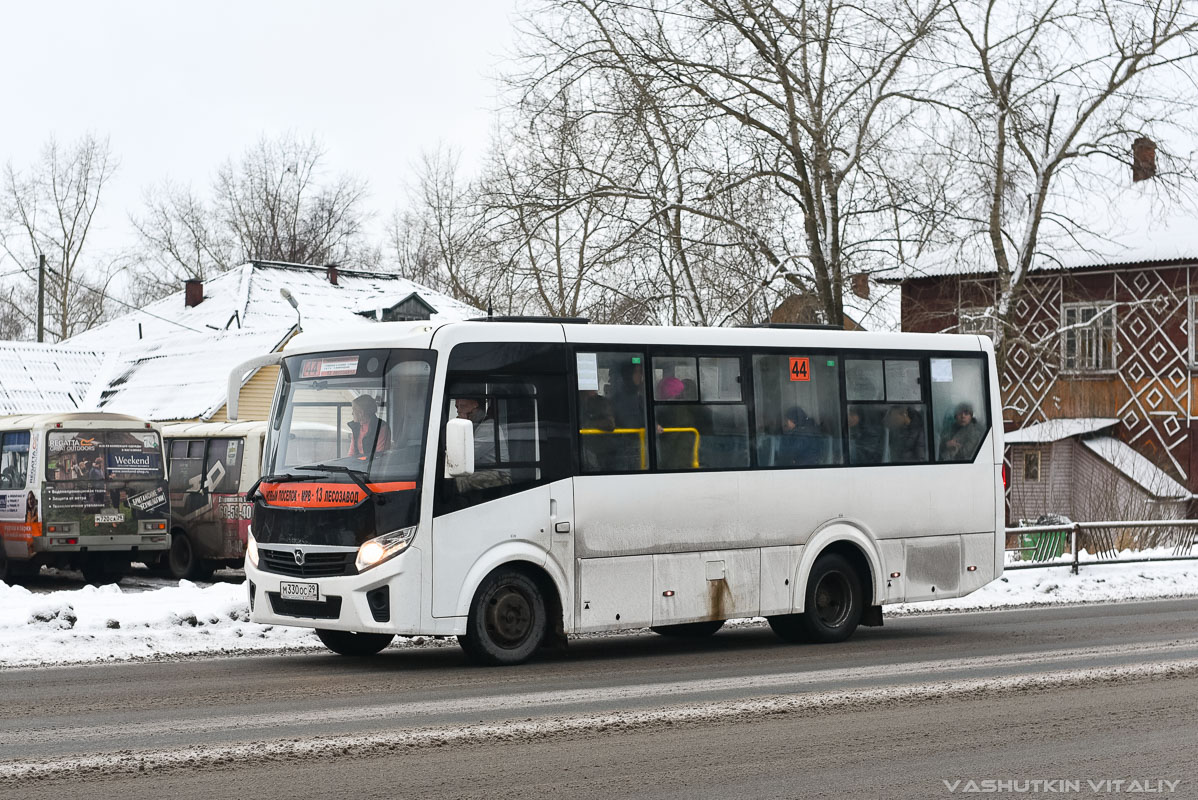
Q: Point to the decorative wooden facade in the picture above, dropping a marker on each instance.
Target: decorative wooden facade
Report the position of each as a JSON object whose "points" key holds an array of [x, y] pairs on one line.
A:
{"points": [[1113, 341]]}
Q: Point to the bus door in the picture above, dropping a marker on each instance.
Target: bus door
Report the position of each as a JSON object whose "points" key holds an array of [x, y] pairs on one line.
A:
{"points": [[518, 504]]}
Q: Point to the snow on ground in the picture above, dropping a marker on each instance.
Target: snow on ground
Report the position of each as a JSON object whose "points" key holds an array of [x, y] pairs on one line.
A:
{"points": [[145, 621]]}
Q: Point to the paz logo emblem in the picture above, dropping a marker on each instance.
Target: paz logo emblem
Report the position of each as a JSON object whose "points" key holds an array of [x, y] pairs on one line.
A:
{"points": [[299, 557]]}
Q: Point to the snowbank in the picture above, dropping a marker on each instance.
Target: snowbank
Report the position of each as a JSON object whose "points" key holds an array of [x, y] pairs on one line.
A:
{"points": [[90, 624]]}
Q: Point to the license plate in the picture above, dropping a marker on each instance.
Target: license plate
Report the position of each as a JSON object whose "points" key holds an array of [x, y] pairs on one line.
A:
{"points": [[105, 518], [299, 591]]}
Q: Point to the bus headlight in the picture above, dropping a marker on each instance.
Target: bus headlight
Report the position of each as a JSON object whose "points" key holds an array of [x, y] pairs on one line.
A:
{"points": [[251, 550], [381, 548]]}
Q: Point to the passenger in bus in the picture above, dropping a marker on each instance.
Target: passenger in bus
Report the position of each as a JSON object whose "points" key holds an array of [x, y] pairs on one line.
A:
{"points": [[960, 442], [675, 439], [802, 442], [367, 430], [907, 440], [486, 453], [865, 437], [628, 398]]}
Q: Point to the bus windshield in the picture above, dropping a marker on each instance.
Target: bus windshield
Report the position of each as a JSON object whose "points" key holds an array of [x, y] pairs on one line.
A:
{"points": [[362, 413]]}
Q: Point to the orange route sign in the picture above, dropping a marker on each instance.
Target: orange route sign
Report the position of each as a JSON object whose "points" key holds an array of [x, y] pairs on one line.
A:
{"points": [[800, 369], [324, 495]]}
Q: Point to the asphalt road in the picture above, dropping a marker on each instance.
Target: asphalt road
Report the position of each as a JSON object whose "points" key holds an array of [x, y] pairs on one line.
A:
{"points": [[1091, 694]]}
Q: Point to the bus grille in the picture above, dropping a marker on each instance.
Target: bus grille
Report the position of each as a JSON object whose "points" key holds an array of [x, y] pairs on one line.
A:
{"points": [[329, 608], [316, 565]]}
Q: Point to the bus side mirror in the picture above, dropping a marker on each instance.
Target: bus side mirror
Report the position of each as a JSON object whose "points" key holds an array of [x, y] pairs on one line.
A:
{"points": [[459, 448]]}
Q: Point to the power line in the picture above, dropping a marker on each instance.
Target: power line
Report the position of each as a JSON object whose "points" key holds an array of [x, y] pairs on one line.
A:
{"points": [[117, 300]]}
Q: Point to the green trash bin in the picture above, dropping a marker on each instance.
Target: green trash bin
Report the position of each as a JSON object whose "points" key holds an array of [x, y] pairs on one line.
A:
{"points": [[1043, 546]]}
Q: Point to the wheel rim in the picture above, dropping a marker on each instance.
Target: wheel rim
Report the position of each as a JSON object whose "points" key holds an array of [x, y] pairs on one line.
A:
{"points": [[509, 619], [833, 599]]}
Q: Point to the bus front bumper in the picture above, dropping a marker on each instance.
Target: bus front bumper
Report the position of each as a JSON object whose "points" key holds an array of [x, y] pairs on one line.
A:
{"points": [[345, 602]]}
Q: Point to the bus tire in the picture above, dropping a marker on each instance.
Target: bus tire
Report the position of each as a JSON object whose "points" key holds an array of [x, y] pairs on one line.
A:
{"points": [[689, 630], [833, 606], [4, 576], [182, 559], [350, 643], [507, 621]]}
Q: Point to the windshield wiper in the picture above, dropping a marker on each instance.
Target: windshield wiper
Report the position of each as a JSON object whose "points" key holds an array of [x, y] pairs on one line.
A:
{"points": [[285, 476], [358, 476]]}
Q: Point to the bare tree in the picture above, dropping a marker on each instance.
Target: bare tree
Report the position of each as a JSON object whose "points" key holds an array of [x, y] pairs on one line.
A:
{"points": [[275, 203], [1051, 93], [48, 210], [798, 106]]}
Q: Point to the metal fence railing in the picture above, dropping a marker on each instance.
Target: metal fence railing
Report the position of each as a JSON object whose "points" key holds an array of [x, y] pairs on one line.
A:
{"points": [[1044, 545]]}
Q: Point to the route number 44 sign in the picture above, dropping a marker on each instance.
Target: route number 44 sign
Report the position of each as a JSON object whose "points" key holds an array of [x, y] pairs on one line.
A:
{"points": [[800, 369]]}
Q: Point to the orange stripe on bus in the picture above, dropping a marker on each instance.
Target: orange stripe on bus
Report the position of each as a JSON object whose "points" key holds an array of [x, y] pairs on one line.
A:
{"points": [[324, 495]]}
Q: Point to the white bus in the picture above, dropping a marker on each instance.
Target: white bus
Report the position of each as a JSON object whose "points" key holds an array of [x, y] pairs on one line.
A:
{"points": [[513, 481], [81, 490]]}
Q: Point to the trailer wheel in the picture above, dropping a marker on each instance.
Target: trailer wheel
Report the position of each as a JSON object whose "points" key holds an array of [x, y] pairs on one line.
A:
{"points": [[507, 621], [349, 643], [689, 630]]}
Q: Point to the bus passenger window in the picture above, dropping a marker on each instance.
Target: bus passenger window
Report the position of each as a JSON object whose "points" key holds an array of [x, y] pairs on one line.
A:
{"points": [[797, 396], [887, 417], [15, 462], [712, 433], [959, 417], [611, 412]]}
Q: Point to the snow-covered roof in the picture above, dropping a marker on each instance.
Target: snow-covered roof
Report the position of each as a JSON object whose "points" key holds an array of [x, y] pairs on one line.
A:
{"points": [[1140, 223], [178, 378], [1136, 467], [248, 298], [170, 361], [881, 311], [1055, 430], [39, 378]]}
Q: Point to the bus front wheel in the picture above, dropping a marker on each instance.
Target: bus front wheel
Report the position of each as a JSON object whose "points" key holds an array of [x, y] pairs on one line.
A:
{"points": [[507, 621], [833, 604], [184, 562], [348, 643]]}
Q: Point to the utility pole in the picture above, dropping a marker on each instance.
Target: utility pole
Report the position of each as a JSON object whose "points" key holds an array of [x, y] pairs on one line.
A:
{"points": [[41, 297]]}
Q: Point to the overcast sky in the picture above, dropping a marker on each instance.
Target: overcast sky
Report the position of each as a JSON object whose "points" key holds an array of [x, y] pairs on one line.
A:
{"points": [[178, 88]]}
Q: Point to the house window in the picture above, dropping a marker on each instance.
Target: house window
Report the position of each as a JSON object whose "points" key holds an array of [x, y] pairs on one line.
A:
{"points": [[1031, 465], [1194, 332], [1088, 337]]}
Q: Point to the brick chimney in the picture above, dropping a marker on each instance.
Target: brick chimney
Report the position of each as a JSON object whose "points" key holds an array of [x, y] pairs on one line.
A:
{"points": [[1143, 159], [193, 292], [331, 270], [860, 284]]}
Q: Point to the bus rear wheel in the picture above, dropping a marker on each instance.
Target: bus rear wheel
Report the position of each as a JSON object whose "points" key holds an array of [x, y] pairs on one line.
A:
{"points": [[689, 630], [349, 643], [833, 604], [507, 621]]}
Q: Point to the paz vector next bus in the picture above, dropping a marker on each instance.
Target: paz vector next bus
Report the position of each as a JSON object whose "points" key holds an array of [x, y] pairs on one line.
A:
{"points": [[512, 481]]}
